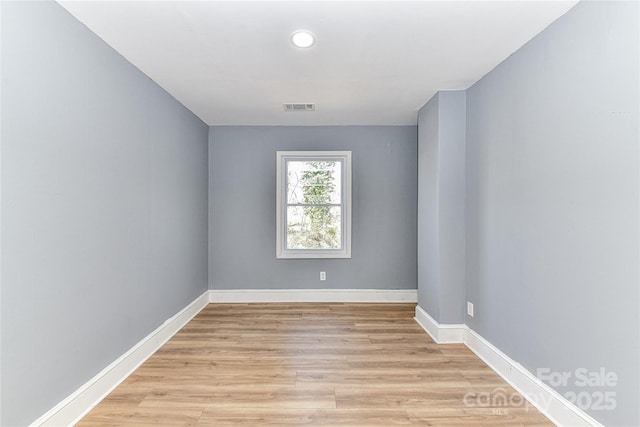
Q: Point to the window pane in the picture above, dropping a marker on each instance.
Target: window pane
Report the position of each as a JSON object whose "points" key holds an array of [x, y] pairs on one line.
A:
{"points": [[313, 227], [314, 182]]}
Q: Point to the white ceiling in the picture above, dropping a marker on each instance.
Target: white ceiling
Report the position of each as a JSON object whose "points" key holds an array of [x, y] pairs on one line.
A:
{"points": [[374, 62]]}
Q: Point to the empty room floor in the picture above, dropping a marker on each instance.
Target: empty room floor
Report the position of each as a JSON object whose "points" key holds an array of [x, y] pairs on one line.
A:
{"points": [[311, 364]]}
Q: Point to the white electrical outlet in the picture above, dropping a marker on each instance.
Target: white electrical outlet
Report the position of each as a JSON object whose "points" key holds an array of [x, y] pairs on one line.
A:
{"points": [[323, 275], [469, 309]]}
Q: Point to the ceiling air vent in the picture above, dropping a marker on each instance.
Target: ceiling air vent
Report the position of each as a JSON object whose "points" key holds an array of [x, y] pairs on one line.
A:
{"points": [[299, 107]]}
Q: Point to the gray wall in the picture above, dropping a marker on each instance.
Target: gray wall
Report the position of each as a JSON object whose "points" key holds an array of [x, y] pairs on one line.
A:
{"points": [[242, 191], [552, 201], [104, 207], [441, 206], [429, 207]]}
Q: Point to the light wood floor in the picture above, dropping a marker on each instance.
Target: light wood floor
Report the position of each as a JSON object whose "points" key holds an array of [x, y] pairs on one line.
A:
{"points": [[310, 364]]}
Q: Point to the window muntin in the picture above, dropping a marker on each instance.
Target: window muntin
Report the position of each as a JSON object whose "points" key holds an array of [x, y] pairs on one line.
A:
{"points": [[313, 206]]}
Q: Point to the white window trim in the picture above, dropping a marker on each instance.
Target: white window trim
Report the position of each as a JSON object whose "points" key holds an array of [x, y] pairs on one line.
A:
{"points": [[281, 192]]}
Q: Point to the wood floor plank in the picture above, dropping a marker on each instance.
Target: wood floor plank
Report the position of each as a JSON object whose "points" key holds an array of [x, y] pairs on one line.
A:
{"points": [[316, 364], [295, 417], [255, 398]]}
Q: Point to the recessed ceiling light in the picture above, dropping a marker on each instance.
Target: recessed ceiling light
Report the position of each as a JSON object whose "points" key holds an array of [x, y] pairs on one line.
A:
{"points": [[303, 39]]}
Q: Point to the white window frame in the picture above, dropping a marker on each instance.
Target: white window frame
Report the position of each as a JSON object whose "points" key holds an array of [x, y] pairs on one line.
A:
{"points": [[344, 157]]}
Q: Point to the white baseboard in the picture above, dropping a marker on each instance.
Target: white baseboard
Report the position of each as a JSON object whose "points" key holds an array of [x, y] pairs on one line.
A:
{"points": [[81, 401], [312, 295], [548, 401], [441, 333]]}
